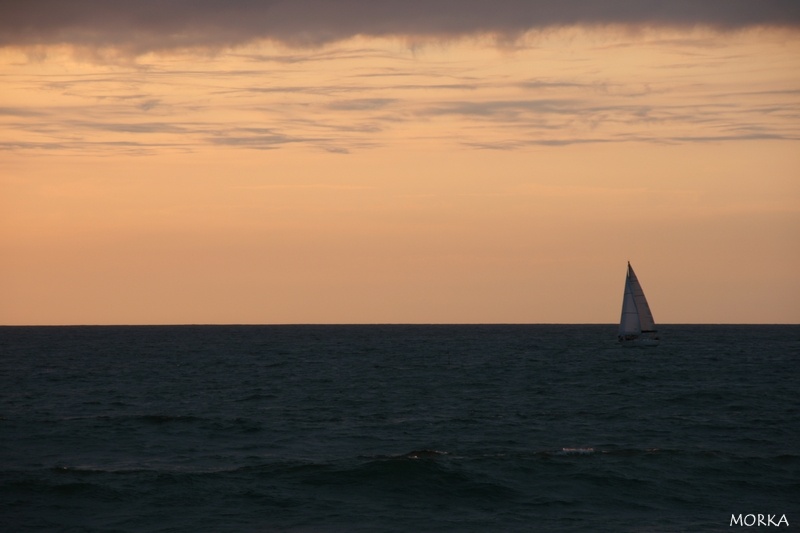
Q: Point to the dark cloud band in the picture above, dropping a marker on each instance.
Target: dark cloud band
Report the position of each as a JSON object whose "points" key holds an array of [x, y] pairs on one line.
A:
{"points": [[146, 25]]}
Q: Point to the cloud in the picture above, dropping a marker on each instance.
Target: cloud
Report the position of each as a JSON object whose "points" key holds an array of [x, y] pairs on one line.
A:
{"points": [[516, 144], [361, 104], [507, 109], [537, 97], [19, 112], [86, 147], [134, 127], [136, 27]]}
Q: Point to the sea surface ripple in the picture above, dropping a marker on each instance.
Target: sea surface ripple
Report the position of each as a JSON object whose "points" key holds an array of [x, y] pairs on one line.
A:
{"points": [[462, 428]]}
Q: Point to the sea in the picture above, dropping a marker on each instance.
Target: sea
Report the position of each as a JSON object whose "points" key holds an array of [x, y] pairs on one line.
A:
{"points": [[398, 428]]}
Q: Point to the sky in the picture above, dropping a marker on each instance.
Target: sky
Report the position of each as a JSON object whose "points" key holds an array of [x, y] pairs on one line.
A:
{"points": [[434, 161]]}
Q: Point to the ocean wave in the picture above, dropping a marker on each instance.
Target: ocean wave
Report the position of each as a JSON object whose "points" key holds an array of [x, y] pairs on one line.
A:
{"points": [[419, 454], [575, 451], [173, 421]]}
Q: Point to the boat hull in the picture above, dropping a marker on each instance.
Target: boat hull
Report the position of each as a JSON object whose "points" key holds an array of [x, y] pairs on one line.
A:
{"points": [[642, 342]]}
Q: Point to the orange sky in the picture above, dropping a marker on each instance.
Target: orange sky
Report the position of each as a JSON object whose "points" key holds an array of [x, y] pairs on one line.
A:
{"points": [[378, 180]]}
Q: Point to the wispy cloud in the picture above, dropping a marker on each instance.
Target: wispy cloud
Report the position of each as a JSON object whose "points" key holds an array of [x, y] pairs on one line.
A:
{"points": [[361, 104], [504, 109], [466, 97], [20, 112], [93, 147], [260, 140]]}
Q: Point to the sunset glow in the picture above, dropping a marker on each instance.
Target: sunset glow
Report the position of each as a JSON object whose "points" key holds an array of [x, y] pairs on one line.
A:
{"points": [[402, 178]]}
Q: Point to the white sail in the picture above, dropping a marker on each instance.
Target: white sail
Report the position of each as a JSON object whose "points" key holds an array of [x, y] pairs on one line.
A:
{"points": [[646, 321], [636, 319]]}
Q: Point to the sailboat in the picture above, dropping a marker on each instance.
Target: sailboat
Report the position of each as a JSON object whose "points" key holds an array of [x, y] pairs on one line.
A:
{"points": [[636, 325]]}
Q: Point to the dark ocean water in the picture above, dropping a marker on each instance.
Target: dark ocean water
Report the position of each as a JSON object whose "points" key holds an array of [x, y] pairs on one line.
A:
{"points": [[396, 428]]}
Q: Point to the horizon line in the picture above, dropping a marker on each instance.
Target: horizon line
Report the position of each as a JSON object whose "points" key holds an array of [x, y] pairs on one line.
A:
{"points": [[348, 324]]}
